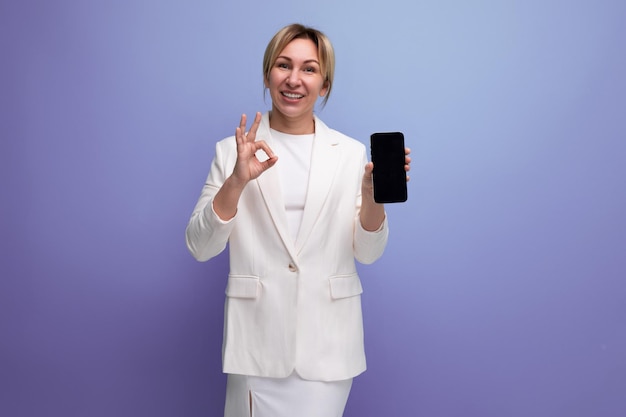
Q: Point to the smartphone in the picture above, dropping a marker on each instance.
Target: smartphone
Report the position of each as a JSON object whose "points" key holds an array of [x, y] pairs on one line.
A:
{"points": [[389, 176]]}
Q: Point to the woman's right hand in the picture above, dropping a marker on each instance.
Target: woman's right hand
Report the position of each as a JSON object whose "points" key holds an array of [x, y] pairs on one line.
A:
{"points": [[248, 167]]}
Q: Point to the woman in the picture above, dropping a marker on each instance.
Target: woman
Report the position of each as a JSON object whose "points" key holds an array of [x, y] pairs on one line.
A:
{"points": [[294, 201]]}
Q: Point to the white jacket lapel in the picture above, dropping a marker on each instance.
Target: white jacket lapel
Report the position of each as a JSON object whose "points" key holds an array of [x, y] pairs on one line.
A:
{"points": [[269, 184], [324, 162]]}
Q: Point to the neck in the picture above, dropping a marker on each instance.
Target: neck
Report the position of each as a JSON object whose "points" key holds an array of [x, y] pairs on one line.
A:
{"points": [[301, 126]]}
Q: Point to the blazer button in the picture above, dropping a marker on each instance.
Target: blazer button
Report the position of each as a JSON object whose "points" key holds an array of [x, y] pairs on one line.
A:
{"points": [[292, 268]]}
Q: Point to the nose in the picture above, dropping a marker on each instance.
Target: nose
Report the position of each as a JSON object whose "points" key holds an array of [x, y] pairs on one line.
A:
{"points": [[293, 79]]}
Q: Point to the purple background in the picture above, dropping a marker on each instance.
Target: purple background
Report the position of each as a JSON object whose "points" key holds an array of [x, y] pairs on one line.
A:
{"points": [[502, 292]]}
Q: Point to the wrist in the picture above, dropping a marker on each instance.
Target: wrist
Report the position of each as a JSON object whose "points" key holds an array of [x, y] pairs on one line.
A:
{"points": [[367, 194], [235, 183]]}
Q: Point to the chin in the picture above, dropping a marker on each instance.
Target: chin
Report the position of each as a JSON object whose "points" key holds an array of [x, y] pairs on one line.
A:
{"points": [[293, 113]]}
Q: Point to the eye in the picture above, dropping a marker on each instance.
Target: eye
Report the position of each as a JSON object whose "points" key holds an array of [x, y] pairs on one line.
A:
{"points": [[310, 69], [282, 65]]}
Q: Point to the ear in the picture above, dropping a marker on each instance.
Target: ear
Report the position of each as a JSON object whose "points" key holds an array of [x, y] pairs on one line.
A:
{"points": [[266, 82], [324, 89]]}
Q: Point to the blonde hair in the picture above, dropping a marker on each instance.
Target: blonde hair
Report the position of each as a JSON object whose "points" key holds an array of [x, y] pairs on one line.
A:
{"points": [[325, 51]]}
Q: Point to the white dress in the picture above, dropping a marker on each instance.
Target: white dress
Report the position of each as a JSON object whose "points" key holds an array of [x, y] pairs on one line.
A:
{"points": [[251, 396]]}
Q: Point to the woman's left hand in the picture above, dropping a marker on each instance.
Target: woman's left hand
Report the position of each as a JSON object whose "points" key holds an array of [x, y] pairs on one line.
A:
{"points": [[372, 213], [367, 186]]}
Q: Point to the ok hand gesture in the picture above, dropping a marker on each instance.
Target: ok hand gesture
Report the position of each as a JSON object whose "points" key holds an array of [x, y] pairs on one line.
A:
{"points": [[248, 167]]}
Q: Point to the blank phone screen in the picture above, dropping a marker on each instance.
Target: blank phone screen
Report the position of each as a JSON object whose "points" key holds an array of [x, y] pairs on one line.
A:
{"points": [[389, 176]]}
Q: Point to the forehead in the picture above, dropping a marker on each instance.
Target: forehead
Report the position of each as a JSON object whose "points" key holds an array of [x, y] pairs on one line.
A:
{"points": [[301, 49]]}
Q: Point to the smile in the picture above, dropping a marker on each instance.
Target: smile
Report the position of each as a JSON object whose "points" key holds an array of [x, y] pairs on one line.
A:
{"points": [[292, 95]]}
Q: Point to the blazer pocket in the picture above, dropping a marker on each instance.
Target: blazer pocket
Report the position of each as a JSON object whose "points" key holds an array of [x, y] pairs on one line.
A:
{"points": [[243, 286], [344, 286]]}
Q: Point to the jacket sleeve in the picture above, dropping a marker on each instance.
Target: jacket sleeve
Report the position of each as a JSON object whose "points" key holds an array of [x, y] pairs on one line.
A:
{"points": [[207, 234], [368, 246]]}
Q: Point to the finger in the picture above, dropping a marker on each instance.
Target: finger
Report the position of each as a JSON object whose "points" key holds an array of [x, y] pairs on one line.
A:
{"points": [[240, 130], [242, 123], [268, 163], [238, 136], [255, 126], [261, 144], [369, 167], [407, 161]]}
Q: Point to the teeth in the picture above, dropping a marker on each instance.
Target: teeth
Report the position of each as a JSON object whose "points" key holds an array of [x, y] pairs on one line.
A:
{"points": [[290, 95]]}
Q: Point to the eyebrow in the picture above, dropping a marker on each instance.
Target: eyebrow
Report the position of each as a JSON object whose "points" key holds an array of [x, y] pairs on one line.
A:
{"points": [[308, 61]]}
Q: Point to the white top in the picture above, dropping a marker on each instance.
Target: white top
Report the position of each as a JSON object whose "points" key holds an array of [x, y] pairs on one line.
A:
{"points": [[294, 163]]}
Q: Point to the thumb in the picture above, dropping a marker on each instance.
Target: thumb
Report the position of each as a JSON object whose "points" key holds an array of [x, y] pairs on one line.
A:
{"points": [[269, 162]]}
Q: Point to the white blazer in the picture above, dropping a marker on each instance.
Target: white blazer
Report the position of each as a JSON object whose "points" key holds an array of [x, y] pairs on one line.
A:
{"points": [[292, 305]]}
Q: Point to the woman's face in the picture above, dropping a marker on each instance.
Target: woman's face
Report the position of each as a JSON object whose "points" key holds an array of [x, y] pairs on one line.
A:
{"points": [[295, 82]]}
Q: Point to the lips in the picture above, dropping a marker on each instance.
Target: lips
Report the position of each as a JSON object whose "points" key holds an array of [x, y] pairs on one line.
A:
{"points": [[292, 95]]}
